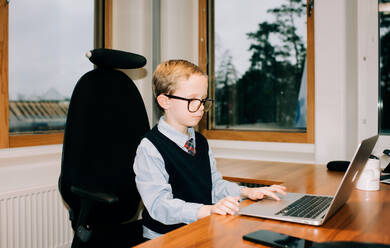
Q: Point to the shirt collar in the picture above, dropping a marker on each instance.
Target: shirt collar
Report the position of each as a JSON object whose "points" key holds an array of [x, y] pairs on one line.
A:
{"points": [[179, 138]]}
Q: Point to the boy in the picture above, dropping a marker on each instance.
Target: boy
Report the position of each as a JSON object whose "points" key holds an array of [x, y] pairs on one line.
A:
{"points": [[176, 173]]}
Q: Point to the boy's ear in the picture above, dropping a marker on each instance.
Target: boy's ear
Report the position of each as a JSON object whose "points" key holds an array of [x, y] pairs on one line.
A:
{"points": [[163, 101]]}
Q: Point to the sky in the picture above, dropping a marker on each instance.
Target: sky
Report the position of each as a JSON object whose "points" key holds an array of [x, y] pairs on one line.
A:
{"points": [[234, 19], [48, 40]]}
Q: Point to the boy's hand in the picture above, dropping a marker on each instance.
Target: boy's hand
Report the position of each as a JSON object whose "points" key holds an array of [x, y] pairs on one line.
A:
{"points": [[259, 193], [228, 205]]}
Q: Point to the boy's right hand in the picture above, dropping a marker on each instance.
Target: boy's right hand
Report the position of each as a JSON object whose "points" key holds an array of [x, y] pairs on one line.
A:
{"points": [[228, 205]]}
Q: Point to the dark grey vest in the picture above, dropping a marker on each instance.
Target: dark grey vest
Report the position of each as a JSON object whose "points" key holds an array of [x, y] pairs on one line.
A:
{"points": [[189, 176]]}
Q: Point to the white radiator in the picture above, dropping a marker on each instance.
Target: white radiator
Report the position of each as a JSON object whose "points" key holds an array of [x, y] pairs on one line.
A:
{"points": [[34, 218]]}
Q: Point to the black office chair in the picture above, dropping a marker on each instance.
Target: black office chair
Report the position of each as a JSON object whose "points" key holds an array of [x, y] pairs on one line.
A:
{"points": [[106, 121]]}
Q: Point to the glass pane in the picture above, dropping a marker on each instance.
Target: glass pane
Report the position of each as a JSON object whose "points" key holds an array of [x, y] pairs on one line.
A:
{"points": [[384, 66], [260, 64], [47, 43]]}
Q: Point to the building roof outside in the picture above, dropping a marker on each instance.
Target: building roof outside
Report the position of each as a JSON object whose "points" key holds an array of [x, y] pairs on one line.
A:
{"points": [[37, 115]]}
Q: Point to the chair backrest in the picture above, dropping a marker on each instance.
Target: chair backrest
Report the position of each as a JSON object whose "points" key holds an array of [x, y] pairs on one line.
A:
{"points": [[105, 123]]}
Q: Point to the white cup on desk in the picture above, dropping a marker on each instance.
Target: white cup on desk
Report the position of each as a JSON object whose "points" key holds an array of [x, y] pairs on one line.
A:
{"points": [[369, 178]]}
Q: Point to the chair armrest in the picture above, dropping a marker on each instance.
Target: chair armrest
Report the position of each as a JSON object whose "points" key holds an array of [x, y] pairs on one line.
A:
{"points": [[88, 199]]}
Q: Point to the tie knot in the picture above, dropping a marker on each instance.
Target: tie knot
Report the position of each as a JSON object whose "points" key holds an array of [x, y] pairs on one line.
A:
{"points": [[189, 145]]}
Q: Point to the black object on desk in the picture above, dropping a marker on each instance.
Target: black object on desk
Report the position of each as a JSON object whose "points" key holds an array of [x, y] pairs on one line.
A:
{"points": [[349, 244], [274, 239], [387, 169], [338, 165], [385, 177], [341, 165]]}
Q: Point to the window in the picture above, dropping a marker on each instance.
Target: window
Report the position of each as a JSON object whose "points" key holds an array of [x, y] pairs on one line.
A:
{"points": [[384, 66], [260, 62], [43, 51]]}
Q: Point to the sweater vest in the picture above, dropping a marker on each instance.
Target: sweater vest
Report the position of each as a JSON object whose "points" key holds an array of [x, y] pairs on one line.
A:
{"points": [[189, 176]]}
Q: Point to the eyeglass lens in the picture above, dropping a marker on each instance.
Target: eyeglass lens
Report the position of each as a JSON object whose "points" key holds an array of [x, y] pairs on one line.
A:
{"points": [[194, 105]]}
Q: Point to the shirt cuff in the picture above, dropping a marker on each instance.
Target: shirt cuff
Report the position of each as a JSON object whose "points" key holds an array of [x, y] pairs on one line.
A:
{"points": [[190, 212], [239, 193], [235, 189]]}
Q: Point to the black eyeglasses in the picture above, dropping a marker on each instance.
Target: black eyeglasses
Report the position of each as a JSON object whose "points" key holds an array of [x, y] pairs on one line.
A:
{"points": [[194, 103]]}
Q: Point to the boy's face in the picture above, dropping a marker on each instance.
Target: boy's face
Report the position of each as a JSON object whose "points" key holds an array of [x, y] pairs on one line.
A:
{"points": [[177, 114]]}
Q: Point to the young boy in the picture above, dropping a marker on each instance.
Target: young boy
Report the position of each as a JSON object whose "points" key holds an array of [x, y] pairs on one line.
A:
{"points": [[176, 172]]}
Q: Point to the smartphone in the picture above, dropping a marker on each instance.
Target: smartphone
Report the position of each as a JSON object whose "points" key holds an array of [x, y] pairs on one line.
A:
{"points": [[274, 239]]}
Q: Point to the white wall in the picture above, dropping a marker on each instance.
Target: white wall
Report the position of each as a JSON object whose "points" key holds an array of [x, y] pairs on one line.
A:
{"points": [[334, 89], [367, 57], [179, 30], [31, 167], [346, 55], [132, 32]]}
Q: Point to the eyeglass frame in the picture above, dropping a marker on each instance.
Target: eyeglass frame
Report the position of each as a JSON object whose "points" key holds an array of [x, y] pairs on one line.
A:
{"points": [[202, 102]]}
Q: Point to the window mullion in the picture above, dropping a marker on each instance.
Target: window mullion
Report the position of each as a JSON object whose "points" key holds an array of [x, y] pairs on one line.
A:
{"points": [[4, 131]]}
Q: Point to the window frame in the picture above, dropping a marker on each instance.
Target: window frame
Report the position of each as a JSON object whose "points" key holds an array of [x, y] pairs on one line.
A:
{"points": [[206, 49], [8, 140]]}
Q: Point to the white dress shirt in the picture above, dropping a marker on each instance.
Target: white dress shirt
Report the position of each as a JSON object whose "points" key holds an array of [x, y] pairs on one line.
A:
{"points": [[156, 193]]}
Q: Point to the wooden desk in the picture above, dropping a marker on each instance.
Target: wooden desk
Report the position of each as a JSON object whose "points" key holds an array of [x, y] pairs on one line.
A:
{"points": [[364, 218]]}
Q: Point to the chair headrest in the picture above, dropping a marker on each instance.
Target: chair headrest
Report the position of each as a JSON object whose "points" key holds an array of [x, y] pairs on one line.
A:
{"points": [[110, 58]]}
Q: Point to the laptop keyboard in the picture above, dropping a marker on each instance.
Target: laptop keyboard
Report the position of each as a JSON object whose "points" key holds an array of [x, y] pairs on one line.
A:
{"points": [[252, 185], [308, 206]]}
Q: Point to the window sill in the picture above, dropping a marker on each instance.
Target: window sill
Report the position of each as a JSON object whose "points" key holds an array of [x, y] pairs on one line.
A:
{"points": [[19, 152], [29, 167], [266, 151]]}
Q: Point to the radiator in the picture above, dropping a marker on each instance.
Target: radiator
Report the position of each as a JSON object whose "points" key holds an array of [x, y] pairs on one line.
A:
{"points": [[34, 218]]}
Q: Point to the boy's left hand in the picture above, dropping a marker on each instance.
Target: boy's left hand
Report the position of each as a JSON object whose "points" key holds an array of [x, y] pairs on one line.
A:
{"points": [[259, 193]]}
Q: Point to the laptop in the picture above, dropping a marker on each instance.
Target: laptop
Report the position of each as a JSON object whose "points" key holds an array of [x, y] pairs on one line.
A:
{"points": [[309, 208]]}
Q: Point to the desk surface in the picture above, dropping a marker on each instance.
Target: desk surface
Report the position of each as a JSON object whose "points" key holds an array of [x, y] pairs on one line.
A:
{"points": [[364, 218]]}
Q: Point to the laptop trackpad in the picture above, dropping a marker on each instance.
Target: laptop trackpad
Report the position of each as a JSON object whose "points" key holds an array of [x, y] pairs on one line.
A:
{"points": [[269, 206]]}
